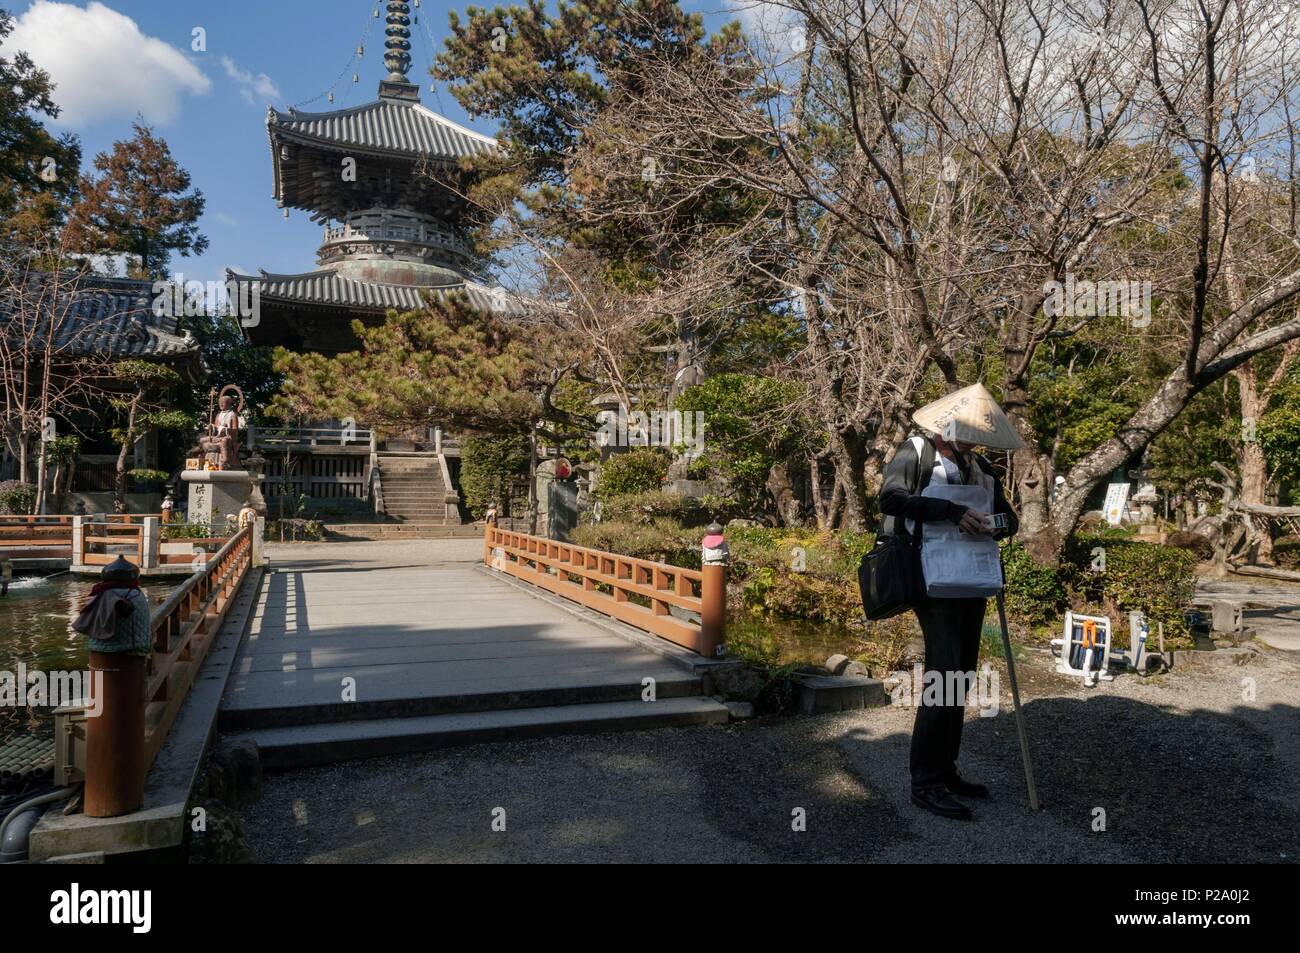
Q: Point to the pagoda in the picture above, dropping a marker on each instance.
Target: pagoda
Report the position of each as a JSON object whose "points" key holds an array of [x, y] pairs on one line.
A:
{"points": [[385, 181]]}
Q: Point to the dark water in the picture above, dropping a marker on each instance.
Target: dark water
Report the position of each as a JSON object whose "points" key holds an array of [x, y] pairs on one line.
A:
{"points": [[35, 630], [790, 641]]}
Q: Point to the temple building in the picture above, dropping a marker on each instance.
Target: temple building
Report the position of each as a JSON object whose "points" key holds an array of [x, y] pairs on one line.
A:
{"points": [[80, 325], [385, 181]]}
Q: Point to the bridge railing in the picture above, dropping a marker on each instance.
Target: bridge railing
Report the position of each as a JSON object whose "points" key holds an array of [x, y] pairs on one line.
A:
{"points": [[684, 606], [36, 537], [125, 737], [183, 628]]}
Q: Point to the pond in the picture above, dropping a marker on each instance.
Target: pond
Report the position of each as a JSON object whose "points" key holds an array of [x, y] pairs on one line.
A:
{"points": [[35, 630], [790, 641]]}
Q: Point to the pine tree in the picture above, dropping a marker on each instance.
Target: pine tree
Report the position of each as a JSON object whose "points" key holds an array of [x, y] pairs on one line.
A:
{"points": [[139, 204]]}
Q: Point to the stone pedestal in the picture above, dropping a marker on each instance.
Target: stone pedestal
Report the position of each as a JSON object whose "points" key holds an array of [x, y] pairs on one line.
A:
{"points": [[217, 496]]}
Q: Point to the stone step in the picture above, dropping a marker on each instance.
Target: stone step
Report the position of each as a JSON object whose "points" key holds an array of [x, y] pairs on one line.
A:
{"points": [[426, 529], [300, 746], [467, 699], [388, 469]]}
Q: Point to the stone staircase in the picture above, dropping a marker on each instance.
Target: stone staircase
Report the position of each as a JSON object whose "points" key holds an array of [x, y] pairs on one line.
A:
{"points": [[414, 492]]}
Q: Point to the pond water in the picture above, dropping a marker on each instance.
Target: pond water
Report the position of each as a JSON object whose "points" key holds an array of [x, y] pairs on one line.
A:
{"points": [[35, 630], [790, 641]]}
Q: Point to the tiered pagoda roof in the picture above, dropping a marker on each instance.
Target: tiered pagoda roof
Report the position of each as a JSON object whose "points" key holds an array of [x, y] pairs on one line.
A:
{"points": [[394, 217], [307, 150]]}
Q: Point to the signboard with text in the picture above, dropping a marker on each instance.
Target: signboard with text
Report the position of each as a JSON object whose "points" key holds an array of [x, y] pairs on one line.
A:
{"points": [[1116, 500]]}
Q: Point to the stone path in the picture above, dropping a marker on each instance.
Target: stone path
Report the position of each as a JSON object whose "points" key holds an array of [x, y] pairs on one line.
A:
{"points": [[1271, 607]]}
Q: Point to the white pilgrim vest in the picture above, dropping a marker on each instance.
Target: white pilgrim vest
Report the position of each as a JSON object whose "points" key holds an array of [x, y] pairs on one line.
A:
{"points": [[946, 472]]}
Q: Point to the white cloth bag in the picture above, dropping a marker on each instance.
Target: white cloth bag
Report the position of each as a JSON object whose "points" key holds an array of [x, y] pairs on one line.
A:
{"points": [[959, 565]]}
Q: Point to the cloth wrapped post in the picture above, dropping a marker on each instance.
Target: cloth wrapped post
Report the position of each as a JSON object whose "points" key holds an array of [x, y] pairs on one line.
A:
{"points": [[116, 619]]}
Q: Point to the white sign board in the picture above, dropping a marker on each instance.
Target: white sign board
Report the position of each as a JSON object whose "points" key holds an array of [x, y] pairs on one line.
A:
{"points": [[1116, 498]]}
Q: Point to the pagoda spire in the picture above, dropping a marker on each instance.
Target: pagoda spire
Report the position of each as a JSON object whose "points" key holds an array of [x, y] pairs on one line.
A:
{"points": [[397, 55]]}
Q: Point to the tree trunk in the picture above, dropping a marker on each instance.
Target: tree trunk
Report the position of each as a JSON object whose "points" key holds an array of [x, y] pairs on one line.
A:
{"points": [[1252, 464], [781, 488], [40, 477], [533, 505], [849, 457], [128, 438]]}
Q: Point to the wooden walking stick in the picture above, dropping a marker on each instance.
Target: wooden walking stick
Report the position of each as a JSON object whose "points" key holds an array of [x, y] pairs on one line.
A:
{"points": [[1015, 700]]}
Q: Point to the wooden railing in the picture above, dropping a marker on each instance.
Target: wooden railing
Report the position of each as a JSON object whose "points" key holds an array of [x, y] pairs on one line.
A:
{"points": [[138, 703], [638, 592], [183, 628], [101, 543], [36, 537]]}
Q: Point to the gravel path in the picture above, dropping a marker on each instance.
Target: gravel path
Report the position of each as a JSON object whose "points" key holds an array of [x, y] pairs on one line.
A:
{"points": [[1184, 767]]}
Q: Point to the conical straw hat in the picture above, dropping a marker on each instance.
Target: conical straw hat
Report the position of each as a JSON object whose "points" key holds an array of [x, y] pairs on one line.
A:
{"points": [[970, 415]]}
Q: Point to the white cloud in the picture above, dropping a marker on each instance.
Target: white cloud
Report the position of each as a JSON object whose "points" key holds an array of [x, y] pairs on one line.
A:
{"points": [[224, 219], [103, 66], [772, 24], [251, 87]]}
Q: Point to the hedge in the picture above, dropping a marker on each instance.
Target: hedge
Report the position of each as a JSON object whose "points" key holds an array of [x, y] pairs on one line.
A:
{"points": [[661, 540], [1157, 580], [16, 499], [640, 470], [645, 508]]}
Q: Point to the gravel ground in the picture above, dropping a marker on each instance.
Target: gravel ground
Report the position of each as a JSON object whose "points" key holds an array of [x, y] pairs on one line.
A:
{"points": [[1185, 768]]}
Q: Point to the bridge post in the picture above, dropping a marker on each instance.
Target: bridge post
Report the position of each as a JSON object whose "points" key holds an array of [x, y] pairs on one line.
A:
{"points": [[115, 737], [713, 593]]}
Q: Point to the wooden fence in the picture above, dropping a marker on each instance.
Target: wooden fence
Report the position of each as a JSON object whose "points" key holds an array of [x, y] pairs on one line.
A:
{"points": [[639, 592], [36, 537], [103, 542]]}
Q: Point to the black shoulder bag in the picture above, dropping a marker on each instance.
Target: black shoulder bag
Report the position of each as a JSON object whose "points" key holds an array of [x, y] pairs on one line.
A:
{"points": [[890, 576]]}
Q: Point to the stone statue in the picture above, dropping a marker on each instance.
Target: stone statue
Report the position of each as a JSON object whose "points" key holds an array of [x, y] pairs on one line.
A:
{"points": [[221, 444]]}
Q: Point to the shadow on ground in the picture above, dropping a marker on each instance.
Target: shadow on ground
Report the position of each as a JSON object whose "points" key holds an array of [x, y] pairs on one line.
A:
{"points": [[1177, 786]]}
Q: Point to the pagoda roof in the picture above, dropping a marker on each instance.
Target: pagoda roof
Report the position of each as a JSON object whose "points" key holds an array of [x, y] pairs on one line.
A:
{"points": [[388, 126], [305, 150], [326, 288]]}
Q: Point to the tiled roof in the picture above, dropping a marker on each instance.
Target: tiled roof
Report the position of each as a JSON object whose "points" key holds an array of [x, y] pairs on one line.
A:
{"points": [[328, 288], [112, 318], [386, 125]]}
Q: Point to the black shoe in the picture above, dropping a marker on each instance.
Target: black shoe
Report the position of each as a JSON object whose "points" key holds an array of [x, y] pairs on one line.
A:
{"points": [[963, 788], [938, 801]]}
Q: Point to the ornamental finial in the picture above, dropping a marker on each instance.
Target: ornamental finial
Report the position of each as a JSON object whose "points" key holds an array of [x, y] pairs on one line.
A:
{"points": [[397, 55]]}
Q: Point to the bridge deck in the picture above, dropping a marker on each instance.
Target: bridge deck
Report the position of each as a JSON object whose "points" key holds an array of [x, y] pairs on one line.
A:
{"points": [[419, 630]]}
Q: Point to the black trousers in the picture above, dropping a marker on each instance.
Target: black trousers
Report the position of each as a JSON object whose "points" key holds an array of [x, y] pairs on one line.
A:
{"points": [[952, 646]]}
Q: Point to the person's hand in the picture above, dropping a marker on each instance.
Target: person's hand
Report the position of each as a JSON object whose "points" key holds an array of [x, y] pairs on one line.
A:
{"points": [[974, 521]]}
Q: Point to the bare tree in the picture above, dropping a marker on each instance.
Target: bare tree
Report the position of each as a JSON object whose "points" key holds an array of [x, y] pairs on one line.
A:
{"points": [[49, 369]]}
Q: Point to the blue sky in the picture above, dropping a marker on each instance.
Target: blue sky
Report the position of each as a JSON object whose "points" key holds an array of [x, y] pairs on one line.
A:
{"points": [[116, 59]]}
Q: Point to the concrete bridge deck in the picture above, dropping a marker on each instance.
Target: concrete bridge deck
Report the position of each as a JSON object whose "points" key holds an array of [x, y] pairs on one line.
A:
{"points": [[368, 648]]}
